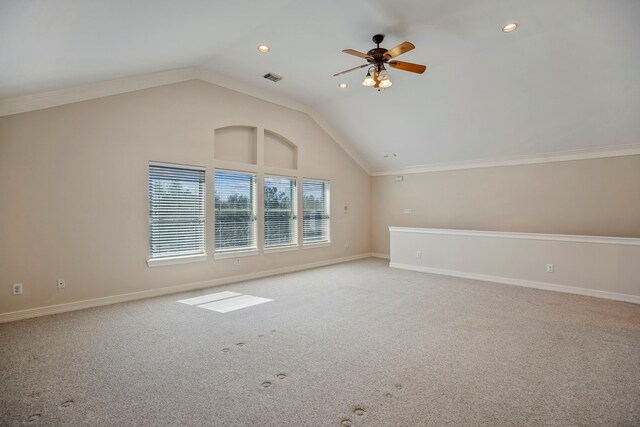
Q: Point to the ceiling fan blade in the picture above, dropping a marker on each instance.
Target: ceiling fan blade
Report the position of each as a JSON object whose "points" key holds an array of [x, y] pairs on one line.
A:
{"points": [[400, 49], [351, 69], [356, 53], [407, 66]]}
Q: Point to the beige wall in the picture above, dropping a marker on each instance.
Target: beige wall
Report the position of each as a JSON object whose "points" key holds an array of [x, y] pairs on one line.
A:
{"points": [[587, 197], [73, 190]]}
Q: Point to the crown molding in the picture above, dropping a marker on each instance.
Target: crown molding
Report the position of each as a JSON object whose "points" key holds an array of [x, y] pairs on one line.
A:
{"points": [[54, 98], [212, 77], [329, 130], [564, 156], [255, 91]]}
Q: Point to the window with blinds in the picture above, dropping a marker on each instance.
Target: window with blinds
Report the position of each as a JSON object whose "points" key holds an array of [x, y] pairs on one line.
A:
{"points": [[280, 219], [176, 211], [235, 211], [316, 219]]}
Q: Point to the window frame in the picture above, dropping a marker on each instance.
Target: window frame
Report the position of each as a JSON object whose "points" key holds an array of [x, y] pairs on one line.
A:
{"points": [[180, 258], [294, 243], [327, 195], [238, 251]]}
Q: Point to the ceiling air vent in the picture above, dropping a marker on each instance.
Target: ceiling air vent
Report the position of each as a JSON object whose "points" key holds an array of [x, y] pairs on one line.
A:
{"points": [[273, 77]]}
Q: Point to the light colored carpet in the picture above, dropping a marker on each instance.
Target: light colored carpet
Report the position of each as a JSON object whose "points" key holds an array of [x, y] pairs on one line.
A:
{"points": [[356, 341]]}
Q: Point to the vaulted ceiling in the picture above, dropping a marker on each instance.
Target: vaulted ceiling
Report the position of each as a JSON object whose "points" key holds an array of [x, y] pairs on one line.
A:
{"points": [[566, 80]]}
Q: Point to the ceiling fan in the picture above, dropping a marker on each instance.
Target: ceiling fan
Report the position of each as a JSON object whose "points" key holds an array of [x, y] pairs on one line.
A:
{"points": [[377, 74]]}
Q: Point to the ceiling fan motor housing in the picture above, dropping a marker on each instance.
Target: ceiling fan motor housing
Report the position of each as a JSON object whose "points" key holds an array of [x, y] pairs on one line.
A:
{"points": [[377, 53], [377, 58]]}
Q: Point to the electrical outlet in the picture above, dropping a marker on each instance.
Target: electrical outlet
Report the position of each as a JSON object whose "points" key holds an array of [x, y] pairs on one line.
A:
{"points": [[61, 284], [408, 211], [549, 268], [237, 261], [418, 254], [16, 289]]}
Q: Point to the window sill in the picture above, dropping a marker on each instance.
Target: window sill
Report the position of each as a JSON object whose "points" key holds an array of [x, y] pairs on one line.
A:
{"points": [[276, 249], [235, 254], [158, 262], [316, 245]]}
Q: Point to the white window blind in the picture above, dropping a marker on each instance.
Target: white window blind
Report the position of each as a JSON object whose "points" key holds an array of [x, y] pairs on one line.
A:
{"points": [[235, 211], [176, 211], [280, 218], [316, 219]]}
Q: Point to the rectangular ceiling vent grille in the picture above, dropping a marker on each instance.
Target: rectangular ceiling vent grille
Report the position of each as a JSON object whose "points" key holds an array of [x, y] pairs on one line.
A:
{"points": [[273, 77]]}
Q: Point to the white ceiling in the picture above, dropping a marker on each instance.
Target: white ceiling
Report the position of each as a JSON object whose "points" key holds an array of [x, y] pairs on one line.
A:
{"points": [[565, 80]]}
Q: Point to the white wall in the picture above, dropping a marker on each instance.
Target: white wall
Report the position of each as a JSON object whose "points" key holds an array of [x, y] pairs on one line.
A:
{"points": [[73, 190], [598, 266]]}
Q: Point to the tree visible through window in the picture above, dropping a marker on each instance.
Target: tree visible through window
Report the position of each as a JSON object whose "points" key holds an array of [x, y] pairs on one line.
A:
{"points": [[235, 211], [316, 217], [280, 220]]}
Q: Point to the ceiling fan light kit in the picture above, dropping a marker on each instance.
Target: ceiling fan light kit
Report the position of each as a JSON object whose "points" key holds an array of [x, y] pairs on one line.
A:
{"points": [[377, 75], [385, 84], [368, 80]]}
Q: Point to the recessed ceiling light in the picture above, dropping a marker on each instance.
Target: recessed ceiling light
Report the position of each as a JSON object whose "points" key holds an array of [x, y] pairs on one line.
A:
{"points": [[510, 27], [343, 85], [264, 48]]}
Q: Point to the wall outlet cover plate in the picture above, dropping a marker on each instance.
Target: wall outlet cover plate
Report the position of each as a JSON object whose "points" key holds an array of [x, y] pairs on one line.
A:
{"points": [[16, 289]]}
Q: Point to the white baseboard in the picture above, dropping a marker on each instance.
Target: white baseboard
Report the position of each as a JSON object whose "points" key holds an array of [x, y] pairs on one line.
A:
{"points": [[520, 282], [377, 255], [80, 305]]}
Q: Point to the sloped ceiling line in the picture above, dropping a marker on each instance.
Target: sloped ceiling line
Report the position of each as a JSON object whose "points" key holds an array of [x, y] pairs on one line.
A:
{"points": [[39, 101], [54, 98]]}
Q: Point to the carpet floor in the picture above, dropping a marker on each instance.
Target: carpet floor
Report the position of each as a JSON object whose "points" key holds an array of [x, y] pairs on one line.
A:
{"points": [[354, 344]]}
